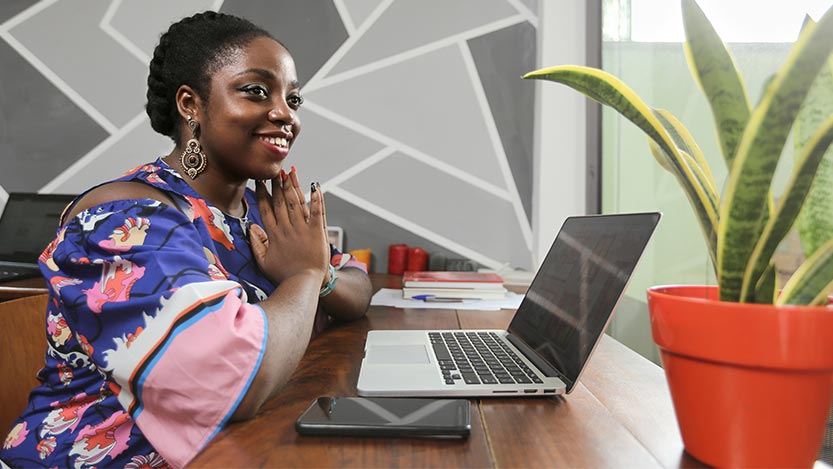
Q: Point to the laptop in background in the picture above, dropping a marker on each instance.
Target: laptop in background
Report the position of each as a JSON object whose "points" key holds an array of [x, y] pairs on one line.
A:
{"points": [[551, 337], [28, 224]]}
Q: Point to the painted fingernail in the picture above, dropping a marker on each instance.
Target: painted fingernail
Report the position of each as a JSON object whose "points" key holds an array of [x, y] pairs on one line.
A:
{"points": [[283, 174], [293, 170], [312, 187]]}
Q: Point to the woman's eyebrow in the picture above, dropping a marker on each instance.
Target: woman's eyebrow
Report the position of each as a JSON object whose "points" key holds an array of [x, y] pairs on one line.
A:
{"points": [[268, 74], [258, 71]]}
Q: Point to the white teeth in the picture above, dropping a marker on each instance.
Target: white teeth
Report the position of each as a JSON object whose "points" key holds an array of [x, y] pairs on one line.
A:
{"points": [[281, 142]]}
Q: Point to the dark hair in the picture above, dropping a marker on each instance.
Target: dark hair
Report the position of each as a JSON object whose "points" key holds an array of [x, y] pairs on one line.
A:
{"points": [[187, 54]]}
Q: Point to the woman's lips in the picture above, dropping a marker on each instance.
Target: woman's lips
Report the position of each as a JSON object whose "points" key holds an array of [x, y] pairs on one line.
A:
{"points": [[277, 145]]}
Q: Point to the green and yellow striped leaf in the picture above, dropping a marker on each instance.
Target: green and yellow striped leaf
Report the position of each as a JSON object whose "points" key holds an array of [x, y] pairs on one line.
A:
{"points": [[660, 156], [610, 91], [745, 199], [815, 222], [767, 286], [686, 143], [813, 280], [715, 71], [690, 152], [785, 215], [709, 229]]}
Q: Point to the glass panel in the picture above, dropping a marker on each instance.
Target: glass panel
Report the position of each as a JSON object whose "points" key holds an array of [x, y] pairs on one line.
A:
{"points": [[641, 45]]}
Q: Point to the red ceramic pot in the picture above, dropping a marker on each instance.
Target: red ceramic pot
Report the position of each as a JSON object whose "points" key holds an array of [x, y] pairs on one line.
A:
{"points": [[751, 383]]}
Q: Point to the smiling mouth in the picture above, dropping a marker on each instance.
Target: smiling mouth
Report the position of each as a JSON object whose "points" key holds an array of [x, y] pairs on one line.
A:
{"points": [[278, 141]]}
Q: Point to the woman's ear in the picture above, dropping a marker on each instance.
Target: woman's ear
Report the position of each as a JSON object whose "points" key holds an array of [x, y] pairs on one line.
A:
{"points": [[187, 102]]}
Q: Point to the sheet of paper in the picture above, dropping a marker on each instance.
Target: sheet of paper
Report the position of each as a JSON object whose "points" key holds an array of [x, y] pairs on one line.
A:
{"points": [[393, 297]]}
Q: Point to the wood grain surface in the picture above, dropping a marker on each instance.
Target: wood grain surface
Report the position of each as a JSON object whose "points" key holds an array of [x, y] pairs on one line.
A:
{"points": [[619, 415]]}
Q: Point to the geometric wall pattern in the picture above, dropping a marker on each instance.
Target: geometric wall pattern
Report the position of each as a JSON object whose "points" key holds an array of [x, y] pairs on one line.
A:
{"points": [[416, 121]]}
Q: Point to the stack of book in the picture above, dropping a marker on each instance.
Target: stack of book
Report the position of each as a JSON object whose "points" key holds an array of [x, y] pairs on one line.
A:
{"points": [[452, 285]]}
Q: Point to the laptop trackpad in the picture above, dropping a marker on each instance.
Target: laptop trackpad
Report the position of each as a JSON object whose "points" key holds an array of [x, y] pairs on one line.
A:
{"points": [[392, 354]]}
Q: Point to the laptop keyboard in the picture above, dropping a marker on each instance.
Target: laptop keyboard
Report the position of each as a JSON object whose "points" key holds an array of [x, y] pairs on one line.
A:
{"points": [[478, 358]]}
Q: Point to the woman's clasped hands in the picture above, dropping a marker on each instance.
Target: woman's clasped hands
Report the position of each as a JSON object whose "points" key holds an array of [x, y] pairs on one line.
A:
{"points": [[293, 240]]}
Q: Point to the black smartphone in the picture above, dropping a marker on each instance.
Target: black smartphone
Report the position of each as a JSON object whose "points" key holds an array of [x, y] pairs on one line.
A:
{"points": [[386, 416]]}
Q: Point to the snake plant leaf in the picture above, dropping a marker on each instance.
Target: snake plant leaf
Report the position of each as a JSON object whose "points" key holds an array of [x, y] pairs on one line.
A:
{"points": [[662, 158], [715, 71], [815, 222], [610, 91], [767, 286], [686, 143], [745, 198], [812, 281], [693, 156], [787, 211], [709, 229]]}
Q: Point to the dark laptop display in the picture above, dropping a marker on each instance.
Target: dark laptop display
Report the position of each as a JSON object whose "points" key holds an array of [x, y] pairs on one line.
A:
{"points": [[28, 224], [574, 293]]}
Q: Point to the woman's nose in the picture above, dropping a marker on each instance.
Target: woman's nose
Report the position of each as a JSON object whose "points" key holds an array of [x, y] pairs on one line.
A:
{"points": [[282, 114]]}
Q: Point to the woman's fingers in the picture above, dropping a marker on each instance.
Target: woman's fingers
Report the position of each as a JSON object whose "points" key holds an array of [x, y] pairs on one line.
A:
{"points": [[314, 202], [316, 205], [264, 204], [296, 185], [259, 241], [316, 208], [295, 205], [280, 204], [323, 206]]}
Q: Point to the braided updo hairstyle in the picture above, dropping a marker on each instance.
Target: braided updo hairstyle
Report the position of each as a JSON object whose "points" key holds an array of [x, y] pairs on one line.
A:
{"points": [[187, 54]]}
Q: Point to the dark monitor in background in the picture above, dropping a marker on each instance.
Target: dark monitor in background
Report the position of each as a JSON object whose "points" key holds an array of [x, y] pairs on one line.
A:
{"points": [[28, 224]]}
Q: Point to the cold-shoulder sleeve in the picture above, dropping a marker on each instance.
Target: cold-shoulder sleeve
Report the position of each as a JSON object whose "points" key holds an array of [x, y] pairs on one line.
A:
{"points": [[178, 341]]}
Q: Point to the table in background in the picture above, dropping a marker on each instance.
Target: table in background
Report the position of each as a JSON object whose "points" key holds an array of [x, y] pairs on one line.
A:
{"points": [[20, 288], [619, 415]]}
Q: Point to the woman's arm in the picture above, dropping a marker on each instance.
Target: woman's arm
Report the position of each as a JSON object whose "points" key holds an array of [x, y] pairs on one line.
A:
{"points": [[292, 249], [351, 296]]}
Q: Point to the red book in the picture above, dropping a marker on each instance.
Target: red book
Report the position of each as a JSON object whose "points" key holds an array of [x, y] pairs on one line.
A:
{"points": [[452, 279]]}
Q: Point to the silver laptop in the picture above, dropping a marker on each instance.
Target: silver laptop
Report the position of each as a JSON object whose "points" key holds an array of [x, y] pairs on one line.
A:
{"points": [[28, 224], [551, 337]]}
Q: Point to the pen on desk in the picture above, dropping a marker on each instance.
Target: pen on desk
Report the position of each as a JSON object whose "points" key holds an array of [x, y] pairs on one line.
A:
{"points": [[438, 299]]}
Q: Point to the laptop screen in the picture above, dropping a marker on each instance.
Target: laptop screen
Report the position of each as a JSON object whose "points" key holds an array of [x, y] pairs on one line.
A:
{"points": [[574, 293], [28, 224]]}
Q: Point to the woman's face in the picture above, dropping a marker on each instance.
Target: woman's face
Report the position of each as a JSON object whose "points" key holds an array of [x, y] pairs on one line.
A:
{"points": [[251, 119]]}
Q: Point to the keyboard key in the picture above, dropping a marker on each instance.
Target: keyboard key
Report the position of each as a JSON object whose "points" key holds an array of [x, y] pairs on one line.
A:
{"points": [[441, 352], [470, 378], [488, 379]]}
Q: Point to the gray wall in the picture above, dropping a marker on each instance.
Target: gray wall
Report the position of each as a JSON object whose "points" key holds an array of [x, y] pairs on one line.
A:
{"points": [[416, 122]]}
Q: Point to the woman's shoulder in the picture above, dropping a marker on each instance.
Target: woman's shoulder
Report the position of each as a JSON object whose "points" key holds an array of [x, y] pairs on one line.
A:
{"points": [[117, 190], [147, 181]]}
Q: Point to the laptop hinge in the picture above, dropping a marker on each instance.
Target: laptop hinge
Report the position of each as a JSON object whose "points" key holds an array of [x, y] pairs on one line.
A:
{"points": [[539, 362]]}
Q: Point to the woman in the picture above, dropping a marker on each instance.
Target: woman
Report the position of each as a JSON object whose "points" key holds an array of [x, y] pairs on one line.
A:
{"points": [[179, 298]]}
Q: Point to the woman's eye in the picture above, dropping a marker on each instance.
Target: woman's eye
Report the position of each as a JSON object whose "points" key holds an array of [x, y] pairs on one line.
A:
{"points": [[256, 90], [295, 101]]}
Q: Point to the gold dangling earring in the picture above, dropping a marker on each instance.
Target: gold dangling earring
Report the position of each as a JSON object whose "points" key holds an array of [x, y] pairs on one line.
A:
{"points": [[193, 159]]}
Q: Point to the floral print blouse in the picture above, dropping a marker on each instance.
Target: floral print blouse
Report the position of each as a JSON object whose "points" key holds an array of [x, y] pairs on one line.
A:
{"points": [[153, 331]]}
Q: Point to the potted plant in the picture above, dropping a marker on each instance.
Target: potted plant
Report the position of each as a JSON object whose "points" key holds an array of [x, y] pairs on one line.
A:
{"points": [[749, 363]]}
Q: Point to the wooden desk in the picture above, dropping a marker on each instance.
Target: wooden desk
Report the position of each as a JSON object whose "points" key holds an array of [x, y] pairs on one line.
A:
{"points": [[21, 288], [620, 414]]}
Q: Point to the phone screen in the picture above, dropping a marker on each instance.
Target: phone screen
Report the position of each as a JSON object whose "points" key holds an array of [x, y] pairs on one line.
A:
{"points": [[386, 416]]}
